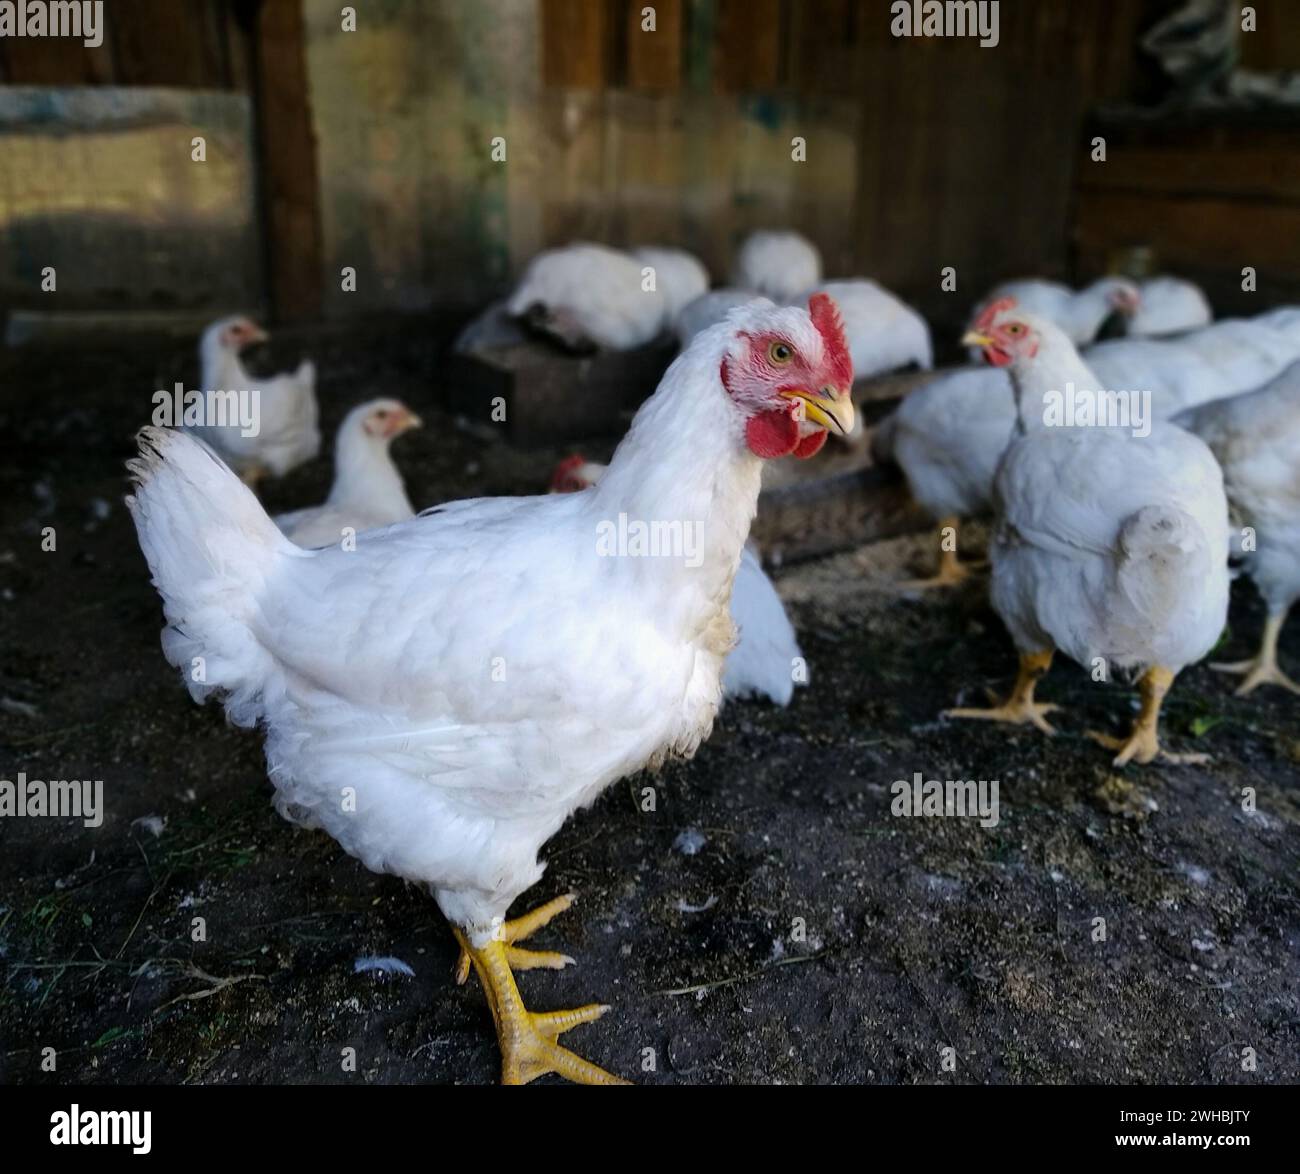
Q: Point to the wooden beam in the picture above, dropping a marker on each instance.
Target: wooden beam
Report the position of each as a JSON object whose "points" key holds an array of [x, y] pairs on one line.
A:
{"points": [[654, 59], [287, 156], [575, 44]]}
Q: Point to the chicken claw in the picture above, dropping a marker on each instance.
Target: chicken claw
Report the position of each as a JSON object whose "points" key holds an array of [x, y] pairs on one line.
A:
{"points": [[951, 570], [1020, 708], [519, 929], [1262, 668], [528, 1039], [1143, 743]]}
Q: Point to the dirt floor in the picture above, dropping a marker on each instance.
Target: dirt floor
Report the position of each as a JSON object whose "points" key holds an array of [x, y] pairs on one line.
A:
{"points": [[768, 921]]}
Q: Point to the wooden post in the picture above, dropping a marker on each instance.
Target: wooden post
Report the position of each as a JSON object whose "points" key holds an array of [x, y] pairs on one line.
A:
{"points": [[286, 141]]}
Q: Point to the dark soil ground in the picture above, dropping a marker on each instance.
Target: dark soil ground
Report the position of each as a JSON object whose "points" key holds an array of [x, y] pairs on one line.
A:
{"points": [[798, 933]]}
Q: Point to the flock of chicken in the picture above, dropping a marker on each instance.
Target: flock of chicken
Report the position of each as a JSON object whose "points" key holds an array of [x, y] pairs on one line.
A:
{"points": [[440, 691]]}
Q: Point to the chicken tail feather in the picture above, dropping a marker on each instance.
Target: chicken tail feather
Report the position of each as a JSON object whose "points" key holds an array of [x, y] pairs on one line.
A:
{"points": [[211, 548]]}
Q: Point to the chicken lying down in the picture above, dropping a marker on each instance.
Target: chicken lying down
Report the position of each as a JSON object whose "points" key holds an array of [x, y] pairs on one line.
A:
{"points": [[587, 297], [1169, 305], [1079, 314], [779, 265], [948, 435], [1256, 438], [367, 490], [1106, 545], [443, 697], [766, 661], [287, 434]]}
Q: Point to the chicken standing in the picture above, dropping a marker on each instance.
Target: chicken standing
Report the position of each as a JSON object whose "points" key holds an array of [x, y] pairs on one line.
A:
{"points": [[1079, 314], [1107, 545], [287, 433], [442, 698], [948, 435], [766, 660], [1256, 438], [778, 265], [367, 490]]}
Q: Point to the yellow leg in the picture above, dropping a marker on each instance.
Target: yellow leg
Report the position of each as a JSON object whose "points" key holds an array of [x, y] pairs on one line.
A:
{"points": [[1262, 668], [1020, 707], [1143, 744], [951, 569], [517, 931], [528, 1039]]}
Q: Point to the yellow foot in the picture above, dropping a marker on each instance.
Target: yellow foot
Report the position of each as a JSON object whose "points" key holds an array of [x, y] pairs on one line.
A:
{"points": [[528, 1039], [1143, 746], [517, 931], [1257, 671], [950, 574], [1013, 712]]}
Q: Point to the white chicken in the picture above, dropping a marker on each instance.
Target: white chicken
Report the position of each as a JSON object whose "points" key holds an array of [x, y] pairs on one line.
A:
{"points": [[1256, 438], [766, 661], [1080, 314], [680, 276], [948, 435], [287, 434], [1169, 305], [779, 265], [709, 309], [587, 297], [884, 332], [443, 697], [367, 490], [1107, 544]]}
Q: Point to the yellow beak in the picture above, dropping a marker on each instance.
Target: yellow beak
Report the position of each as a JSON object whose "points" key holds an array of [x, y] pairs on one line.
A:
{"points": [[832, 410], [975, 338]]}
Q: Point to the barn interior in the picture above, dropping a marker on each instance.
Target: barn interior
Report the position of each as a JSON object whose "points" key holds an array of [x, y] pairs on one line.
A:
{"points": [[365, 192]]}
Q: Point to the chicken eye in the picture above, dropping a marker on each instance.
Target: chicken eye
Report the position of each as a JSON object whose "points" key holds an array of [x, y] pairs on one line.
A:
{"points": [[780, 352], [1015, 328]]}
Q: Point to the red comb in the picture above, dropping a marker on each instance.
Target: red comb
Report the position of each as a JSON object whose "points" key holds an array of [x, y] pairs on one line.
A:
{"points": [[562, 480], [992, 310], [825, 315]]}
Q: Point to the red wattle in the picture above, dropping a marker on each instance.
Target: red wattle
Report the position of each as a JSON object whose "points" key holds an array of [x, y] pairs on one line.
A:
{"points": [[810, 445], [772, 434]]}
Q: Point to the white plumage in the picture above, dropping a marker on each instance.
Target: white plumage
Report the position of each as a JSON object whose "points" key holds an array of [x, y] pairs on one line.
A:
{"points": [[708, 310], [367, 490], [1106, 545], [1256, 438], [779, 265], [1169, 305], [948, 435], [287, 433], [763, 662], [1079, 314], [588, 295], [884, 332], [440, 699], [680, 276]]}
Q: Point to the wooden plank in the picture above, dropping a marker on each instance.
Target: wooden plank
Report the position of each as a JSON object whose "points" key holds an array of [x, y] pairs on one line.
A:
{"points": [[287, 153], [162, 43], [654, 59], [576, 45], [1207, 238], [819, 516], [747, 46]]}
